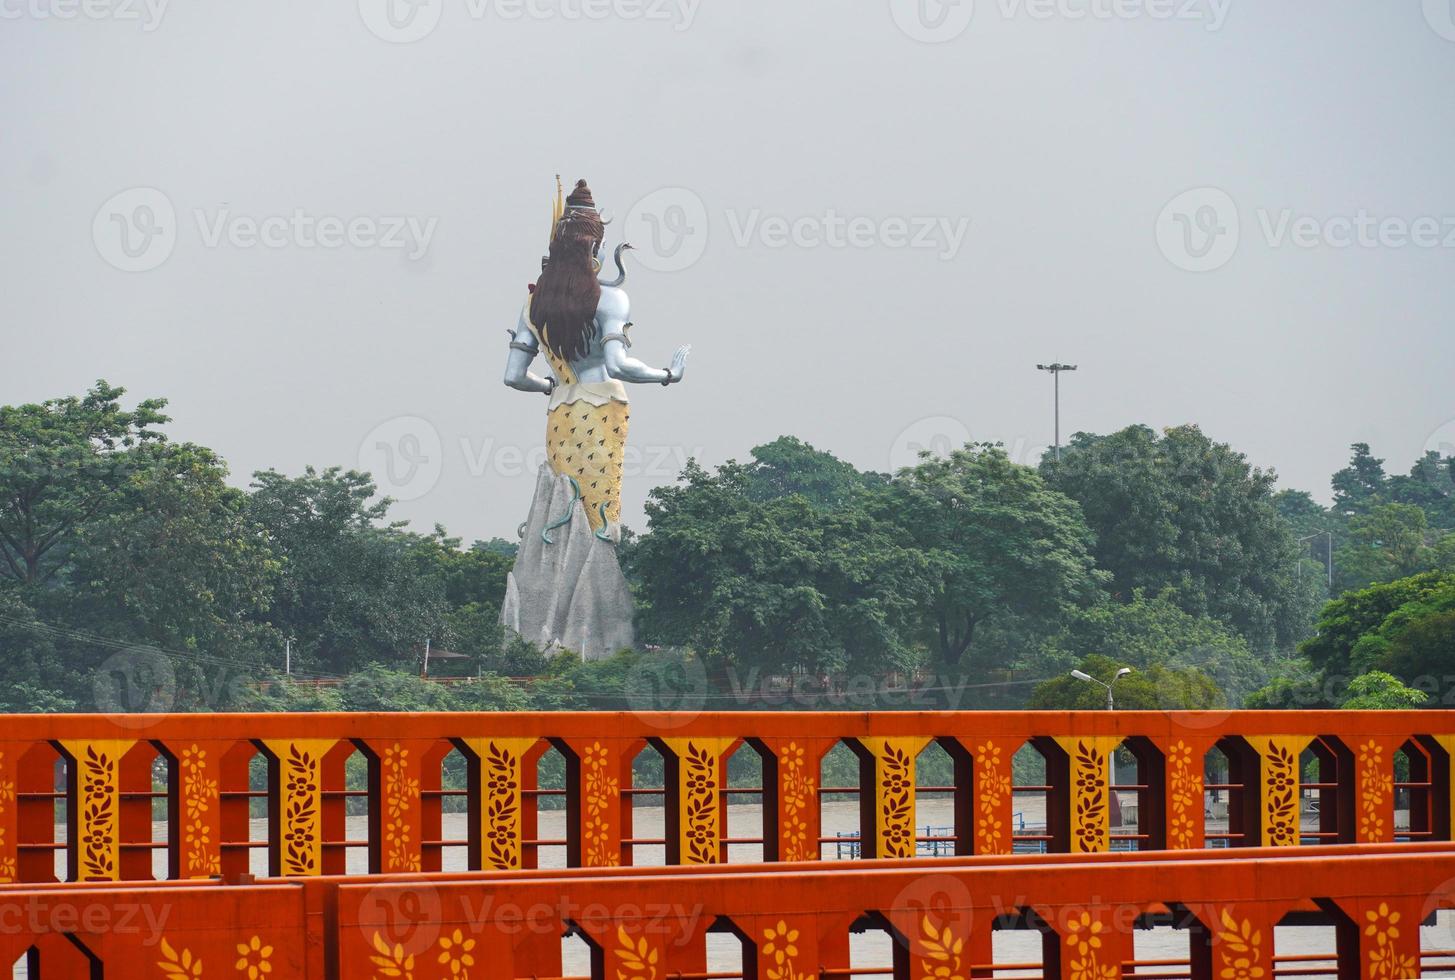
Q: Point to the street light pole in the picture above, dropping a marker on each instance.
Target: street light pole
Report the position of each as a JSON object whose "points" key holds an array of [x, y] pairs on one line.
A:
{"points": [[1056, 369], [1328, 557], [1081, 675]]}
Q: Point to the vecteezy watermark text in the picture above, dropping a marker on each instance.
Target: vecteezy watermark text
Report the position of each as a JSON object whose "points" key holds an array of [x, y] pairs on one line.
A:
{"points": [[148, 13], [938, 21], [942, 234], [303, 230], [407, 21], [138, 229], [670, 229], [1200, 230]]}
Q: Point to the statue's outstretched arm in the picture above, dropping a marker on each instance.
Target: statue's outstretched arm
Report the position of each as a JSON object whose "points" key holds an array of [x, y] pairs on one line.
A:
{"points": [[611, 316], [523, 350]]}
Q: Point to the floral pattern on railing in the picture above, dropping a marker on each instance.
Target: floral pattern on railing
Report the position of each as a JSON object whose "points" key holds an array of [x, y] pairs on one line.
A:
{"points": [[700, 805], [800, 796], [1240, 950], [178, 964], [391, 962], [638, 961], [302, 832], [1090, 821], [941, 953], [1184, 777], [500, 778], [780, 948], [601, 793], [1280, 795], [992, 794], [1386, 960], [7, 801], [401, 790], [98, 854], [1084, 942], [1376, 785], [200, 801]]}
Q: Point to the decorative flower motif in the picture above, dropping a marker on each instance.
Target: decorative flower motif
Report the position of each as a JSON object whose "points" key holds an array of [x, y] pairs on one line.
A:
{"points": [[1241, 968], [252, 958], [780, 941], [1382, 924], [392, 961], [456, 952], [198, 834], [1083, 933]]}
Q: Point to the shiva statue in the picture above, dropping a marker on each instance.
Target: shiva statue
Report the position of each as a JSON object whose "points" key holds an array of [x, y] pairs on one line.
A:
{"points": [[559, 593]]}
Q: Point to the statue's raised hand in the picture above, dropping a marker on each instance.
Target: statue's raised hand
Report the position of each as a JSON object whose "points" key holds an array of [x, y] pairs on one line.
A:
{"points": [[679, 364]]}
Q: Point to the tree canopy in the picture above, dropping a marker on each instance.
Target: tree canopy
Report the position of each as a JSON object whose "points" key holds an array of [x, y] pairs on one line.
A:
{"points": [[1180, 514]]}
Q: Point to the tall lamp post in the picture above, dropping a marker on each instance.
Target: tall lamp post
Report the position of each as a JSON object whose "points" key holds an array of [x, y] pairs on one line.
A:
{"points": [[1056, 369], [1081, 675], [1328, 558]]}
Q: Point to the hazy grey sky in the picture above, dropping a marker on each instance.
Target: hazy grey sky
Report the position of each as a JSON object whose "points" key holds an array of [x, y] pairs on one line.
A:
{"points": [[899, 208]]}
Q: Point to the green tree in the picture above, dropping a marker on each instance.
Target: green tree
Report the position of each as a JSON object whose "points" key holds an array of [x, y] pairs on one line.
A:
{"points": [[1378, 691], [1361, 483], [1182, 515], [353, 589], [1357, 617], [1388, 542], [787, 466], [61, 463], [998, 541], [777, 582], [173, 560], [1159, 688], [1153, 631]]}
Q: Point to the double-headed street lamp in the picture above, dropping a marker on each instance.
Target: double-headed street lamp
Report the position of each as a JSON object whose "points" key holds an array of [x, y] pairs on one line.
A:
{"points": [[1081, 675], [1056, 370]]}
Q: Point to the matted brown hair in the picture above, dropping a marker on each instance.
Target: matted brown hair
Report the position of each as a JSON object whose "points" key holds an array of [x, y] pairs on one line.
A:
{"points": [[563, 306]]}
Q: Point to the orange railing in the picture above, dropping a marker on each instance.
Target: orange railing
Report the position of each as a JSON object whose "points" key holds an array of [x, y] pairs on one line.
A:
{"points": [[138, 797], [792, 920]]}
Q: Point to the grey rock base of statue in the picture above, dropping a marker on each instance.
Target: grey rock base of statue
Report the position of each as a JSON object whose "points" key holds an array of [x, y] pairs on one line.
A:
{"points": [[571, 593]]}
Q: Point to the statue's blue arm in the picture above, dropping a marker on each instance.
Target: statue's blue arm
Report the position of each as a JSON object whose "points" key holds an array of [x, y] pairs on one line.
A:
{"points": [[611, 320], [523, 350]]}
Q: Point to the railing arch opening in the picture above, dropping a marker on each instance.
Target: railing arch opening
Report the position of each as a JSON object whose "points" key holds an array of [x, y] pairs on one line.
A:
{"points": [[649, 826], [1023, 946], [943, 801], [1319, 943], [1231, 793], [749, 833], [731, 953], [1031, 799], [59, 954], [581, 956], [842, 800], [26, 965], [245, 807], [351, 841], [445, 808], [1421, 790], [873, 941], [148, 807], [1326, 796], [1137, 795], [547, 843], [1169, 942], [40, 812]]}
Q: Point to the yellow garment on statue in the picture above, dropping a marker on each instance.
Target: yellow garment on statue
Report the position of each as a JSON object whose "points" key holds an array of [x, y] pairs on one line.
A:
{"points": [[586, 442], [586, 426]]}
